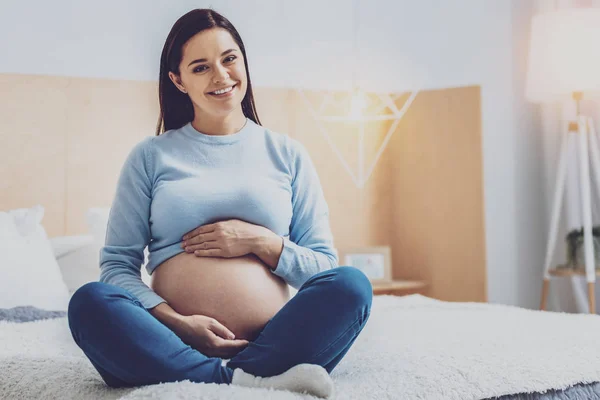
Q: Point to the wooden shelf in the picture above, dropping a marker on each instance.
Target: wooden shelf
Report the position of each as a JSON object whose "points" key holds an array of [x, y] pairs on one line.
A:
{"points": [[567, 271], [399, 287]]}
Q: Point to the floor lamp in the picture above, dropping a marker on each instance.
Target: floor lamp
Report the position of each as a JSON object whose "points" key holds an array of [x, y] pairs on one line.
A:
{"points": [[564, 63]]}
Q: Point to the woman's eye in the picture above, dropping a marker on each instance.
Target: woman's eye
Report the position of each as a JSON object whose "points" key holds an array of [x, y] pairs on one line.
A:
{"points": [[202, 68]]}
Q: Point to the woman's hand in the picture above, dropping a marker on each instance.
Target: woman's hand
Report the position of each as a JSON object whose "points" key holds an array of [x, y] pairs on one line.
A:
{"points": [[209, 336], [228, 239]]}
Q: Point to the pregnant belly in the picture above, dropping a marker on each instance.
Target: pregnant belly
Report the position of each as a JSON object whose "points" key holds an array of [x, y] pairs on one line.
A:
{"points": [[241, 293]]}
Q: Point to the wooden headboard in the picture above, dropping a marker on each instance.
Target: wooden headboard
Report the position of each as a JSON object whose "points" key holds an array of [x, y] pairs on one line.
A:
{"points": [[64, 140]]}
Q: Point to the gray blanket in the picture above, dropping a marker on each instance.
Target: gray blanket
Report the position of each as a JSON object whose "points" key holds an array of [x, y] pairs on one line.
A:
{"points": [[28, 314], [580, 391]]}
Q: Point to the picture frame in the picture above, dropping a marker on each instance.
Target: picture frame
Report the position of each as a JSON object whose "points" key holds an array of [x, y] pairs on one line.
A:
{"points": [[374, 261]]}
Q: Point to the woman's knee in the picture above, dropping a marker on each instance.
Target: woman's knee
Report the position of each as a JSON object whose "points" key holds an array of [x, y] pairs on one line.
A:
{"points": [[82, 305], [90, 297], [87, 293], [353, 285]]}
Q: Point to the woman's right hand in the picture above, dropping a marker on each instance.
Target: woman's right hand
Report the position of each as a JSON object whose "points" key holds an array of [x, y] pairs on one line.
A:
{"points": [[209, 336]]}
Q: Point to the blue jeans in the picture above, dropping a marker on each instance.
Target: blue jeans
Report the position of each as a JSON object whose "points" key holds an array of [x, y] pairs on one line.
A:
{"points": [[128, 346]]}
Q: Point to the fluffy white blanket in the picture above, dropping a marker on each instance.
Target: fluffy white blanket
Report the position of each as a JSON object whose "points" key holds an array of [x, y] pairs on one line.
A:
{"points": [[413, 347]]}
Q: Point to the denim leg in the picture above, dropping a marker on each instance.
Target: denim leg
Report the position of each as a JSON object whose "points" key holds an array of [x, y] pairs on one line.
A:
{"points": [[317, 326], [128, 346]]}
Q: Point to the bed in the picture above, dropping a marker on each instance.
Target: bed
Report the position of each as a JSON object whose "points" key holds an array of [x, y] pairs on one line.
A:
{"points": [[413, 347]]}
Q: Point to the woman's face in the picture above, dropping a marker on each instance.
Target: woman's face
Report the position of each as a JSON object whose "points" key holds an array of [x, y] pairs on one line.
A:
{"points": [[212, 61]]}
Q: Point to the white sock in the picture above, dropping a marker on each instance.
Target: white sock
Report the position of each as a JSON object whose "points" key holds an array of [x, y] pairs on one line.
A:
{"points": [[302, 378]]}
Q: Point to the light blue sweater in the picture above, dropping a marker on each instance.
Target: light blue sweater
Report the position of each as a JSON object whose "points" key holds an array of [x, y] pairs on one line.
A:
{"points": [[182, 179]]}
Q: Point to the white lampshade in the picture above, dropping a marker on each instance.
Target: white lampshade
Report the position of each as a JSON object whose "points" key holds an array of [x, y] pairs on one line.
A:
{"points": [[564, 54]]}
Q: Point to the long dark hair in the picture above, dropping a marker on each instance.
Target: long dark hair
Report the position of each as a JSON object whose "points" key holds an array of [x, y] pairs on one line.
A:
{"points": [[176, 108]]}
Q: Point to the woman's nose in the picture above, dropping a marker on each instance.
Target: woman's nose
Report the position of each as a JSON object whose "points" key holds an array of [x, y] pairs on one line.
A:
{"points": [[221, 75]]}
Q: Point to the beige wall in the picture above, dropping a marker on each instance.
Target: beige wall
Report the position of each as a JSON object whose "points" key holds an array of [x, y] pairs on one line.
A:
{"points": [[437, 213], [64, 140]]}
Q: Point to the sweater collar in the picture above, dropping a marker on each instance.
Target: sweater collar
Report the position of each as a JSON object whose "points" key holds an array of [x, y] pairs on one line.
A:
{"points": [[190, 132]]}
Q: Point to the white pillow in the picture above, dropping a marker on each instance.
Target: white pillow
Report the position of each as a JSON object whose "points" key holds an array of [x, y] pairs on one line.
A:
{"points": [[29, 273], [97, 220], [77, 257], [64, 245]]}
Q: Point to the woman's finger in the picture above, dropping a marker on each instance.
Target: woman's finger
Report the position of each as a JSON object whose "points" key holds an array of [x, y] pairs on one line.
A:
{"points": [[208, 253], [202, 237], [213, 244], [221, 330], [200, 229], [227, 350], [221, 343]]}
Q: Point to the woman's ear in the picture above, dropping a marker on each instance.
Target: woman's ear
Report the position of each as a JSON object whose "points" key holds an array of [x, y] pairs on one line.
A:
{"points": [[176, 79]]}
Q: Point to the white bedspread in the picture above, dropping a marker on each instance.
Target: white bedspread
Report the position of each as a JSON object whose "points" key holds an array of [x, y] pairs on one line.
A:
{"points": [[413, 347]]}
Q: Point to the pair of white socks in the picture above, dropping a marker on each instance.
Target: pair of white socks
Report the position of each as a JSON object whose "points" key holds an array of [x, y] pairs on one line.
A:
{"points": [[302, 378]]}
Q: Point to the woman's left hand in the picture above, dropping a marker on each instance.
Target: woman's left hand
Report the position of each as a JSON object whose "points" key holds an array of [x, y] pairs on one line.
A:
{"points": [[228, 239]]}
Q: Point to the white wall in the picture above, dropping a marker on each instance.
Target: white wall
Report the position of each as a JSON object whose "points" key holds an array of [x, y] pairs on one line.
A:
{"points": [[531, 209], [403, 45], [570, 294]]}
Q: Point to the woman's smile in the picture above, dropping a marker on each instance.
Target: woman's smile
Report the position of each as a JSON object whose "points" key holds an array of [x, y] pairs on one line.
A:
{"points": [[224, 93]]}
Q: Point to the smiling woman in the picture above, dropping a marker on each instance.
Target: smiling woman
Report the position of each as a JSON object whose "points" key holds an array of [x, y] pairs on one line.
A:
{"points": [[251, 208], [212, 71], [213, 75], [220, 75]]}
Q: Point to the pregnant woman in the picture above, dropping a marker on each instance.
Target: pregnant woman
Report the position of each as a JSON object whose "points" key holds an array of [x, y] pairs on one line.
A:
{"points": [[231, 213]]}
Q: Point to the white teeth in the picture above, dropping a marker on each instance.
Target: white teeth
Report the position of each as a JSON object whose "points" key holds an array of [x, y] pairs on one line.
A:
{"points": [[224, 90]]}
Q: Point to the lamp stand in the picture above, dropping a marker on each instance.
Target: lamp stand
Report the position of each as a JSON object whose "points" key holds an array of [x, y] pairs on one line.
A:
{"points": [[583, 132]]}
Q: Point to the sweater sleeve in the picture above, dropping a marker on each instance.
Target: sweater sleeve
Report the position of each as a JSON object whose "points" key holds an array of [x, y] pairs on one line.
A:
{"points": [[309, 248], [128, 229]]}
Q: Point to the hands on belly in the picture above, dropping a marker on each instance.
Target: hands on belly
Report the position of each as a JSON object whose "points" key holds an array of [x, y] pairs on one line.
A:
{"points": [[219, 297], [228, 239], [209, 337]]}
